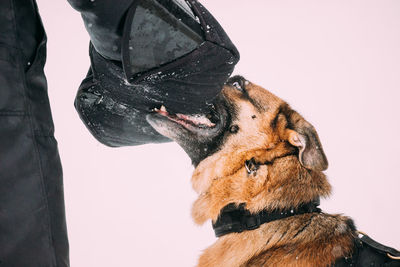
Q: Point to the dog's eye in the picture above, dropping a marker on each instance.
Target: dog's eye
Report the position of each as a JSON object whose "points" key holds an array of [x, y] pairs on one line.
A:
{"points": [[238, 86], [234, 129], [238, 82]]}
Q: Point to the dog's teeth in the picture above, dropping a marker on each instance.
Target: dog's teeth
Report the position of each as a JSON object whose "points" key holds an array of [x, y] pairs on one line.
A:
{"points": [[155, 109], [163, 108]]}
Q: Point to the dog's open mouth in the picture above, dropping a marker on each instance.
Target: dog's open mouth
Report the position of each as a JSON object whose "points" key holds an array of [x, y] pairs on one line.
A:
{"points": [[187, 129], [200, 121], [195, 133]]}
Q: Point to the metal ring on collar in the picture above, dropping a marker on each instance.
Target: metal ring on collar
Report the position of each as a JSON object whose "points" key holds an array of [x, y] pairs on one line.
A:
{"points": [[392, 257]]}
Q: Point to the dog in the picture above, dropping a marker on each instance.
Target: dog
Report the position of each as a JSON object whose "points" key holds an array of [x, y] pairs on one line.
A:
{"points": [[259, 177]]}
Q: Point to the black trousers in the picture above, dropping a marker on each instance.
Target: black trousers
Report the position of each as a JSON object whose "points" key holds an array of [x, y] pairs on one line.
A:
{"points": [[32, 214]]}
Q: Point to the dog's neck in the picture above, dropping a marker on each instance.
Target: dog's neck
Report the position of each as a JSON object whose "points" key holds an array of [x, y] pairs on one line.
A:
{"points": [[274, 186], [280, 185], [313, 239]]}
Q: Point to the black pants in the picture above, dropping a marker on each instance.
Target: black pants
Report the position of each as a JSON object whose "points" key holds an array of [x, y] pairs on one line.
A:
{"points": [[32, 215]]}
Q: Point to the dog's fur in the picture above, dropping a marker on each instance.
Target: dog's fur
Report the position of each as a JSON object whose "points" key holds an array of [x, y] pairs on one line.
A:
{"points": [[255, 124]]}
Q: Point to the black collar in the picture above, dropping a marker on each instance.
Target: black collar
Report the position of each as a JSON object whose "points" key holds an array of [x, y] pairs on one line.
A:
{"points": [[236, 219]]}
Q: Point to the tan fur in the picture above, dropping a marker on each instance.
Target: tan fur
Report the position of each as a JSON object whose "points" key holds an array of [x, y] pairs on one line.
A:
{"points": [[291, 158]]}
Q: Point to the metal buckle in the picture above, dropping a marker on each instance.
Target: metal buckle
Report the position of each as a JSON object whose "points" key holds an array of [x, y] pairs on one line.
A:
{"points": [[252, 222]]}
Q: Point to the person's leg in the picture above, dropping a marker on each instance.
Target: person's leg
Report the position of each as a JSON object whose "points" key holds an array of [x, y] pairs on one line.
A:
{"points": [[32, 216]]}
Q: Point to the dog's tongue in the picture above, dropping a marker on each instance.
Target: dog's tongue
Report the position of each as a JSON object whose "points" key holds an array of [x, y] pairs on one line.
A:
{"points": [[196, 119]]}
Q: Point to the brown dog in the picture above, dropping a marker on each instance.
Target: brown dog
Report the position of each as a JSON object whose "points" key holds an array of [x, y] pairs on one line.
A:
{"points": [[254, 155]]}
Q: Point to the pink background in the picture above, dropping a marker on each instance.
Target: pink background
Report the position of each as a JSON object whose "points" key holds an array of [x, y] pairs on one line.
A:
{"points": [[336, 62]]}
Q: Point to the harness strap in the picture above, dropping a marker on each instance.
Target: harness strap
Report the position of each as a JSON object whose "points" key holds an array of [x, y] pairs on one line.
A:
{"points": [[236, 219], [390, 252], [368, 252]]}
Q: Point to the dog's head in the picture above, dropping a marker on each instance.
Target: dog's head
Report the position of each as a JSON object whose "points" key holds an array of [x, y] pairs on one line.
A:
{"points": [[245, 118], [248, 124]]}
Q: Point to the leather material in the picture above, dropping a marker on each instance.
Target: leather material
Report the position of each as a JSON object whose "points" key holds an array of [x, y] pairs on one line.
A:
{"points": [[115, 118], [157, 32], [233, 219], [368, 252], [114, 109], [32, 218]]}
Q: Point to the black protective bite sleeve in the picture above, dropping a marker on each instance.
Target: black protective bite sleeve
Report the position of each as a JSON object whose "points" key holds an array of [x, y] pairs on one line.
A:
{"points": [[113, 101]]}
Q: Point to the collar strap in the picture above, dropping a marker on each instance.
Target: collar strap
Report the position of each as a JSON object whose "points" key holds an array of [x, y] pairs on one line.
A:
{"points": [[236, 219]]}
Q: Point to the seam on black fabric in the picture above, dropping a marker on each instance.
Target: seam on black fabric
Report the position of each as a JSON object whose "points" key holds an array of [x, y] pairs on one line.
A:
{"points": [[217, 33], [8, 46], [44, 135], [31, 126], [211, 68], [200, 12], [166, 67], [13, 113], [227, 49]]}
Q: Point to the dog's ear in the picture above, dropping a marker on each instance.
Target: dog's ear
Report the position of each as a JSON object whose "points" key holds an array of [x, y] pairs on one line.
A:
{"points": [[303, 135]]}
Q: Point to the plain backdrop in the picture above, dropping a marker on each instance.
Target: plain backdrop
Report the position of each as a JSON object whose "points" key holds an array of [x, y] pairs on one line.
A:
{"points": [[336, 62]]}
